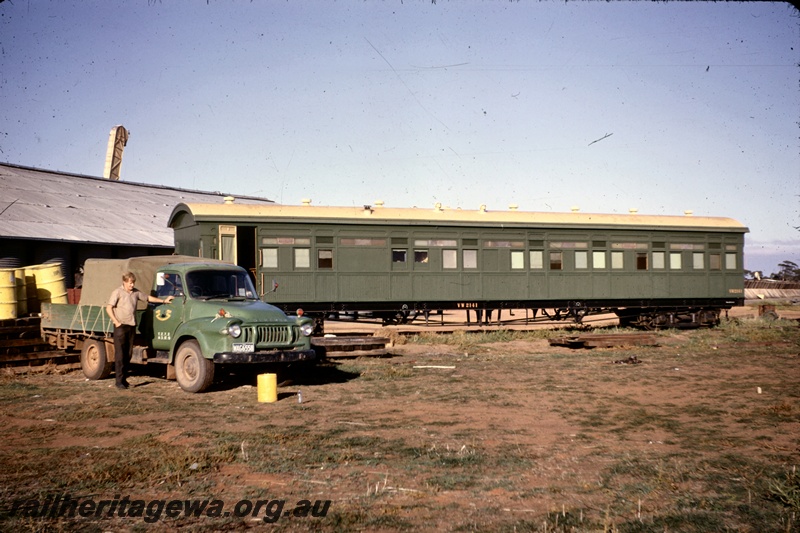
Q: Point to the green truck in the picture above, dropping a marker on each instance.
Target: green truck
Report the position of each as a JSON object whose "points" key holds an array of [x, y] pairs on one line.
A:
{"points": [[215, 318]]}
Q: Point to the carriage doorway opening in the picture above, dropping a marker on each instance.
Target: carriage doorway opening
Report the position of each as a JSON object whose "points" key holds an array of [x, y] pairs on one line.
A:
{"points": [[238, 246], [246, 250]]}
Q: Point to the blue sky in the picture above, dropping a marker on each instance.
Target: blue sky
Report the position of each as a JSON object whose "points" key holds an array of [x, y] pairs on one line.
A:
{"points": [[414, 103]]}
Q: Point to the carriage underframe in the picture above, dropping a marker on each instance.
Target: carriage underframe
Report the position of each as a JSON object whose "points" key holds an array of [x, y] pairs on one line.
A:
{"points": [[645, 314]]}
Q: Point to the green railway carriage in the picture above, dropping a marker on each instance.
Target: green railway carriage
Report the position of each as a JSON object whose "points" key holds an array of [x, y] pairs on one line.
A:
{"points": [[651, 270]]}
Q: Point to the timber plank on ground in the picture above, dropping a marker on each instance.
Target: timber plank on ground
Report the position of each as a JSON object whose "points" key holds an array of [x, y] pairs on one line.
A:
{"points": [[349, 346], [612, 340], [21, 343], [36, 359]]}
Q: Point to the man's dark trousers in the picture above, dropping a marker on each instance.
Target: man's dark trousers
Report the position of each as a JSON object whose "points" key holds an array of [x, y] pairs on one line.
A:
{"points": [[123, 344]]}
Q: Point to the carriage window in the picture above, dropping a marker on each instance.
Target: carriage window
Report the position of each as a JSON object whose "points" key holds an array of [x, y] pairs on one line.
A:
{"points": [[685, 246], [285, 240], [581, 260], [698, 260], [399, 256], [598, 260], [503, 244], [714, 262], [302, 258], [420, 256], [362, 242], [674, 260], [227, 252], [730, 261], [617, 260], [658, 260], [556, 260], [536, 258], [449, 258], [569, 245], [470, 258], [324, 258], [641, 260], [517, 260], [435, 242], [269, 258]]}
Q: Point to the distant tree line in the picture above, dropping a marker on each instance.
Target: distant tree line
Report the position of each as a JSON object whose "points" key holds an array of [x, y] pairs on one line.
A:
{"points": [[788, 271]]}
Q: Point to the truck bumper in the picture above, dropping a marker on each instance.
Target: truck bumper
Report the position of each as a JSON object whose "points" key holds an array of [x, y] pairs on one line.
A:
{"points": [[265, 357]]}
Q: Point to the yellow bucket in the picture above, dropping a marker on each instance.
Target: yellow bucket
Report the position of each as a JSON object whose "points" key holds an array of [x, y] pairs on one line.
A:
{"points": [[8, 294], [22, 292], [268, 388], [49, 283]]}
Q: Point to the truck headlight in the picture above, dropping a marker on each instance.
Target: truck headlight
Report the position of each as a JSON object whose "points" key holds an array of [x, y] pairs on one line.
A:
{"points": [[307, 329], [235, 330]]}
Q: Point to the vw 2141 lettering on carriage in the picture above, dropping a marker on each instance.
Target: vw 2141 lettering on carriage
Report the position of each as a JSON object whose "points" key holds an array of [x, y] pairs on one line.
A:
{"points": [[215, 318]]}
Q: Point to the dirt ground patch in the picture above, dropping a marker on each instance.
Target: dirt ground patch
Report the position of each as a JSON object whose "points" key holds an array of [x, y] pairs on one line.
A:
{"points": [[470, 433]]}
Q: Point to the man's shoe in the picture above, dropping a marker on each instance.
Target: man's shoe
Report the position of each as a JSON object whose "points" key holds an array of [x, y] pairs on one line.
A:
{"points": [[123, 385]]}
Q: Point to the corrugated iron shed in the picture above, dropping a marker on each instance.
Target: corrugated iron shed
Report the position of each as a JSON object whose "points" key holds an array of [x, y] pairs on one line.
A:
{"points": [[56, 206]]}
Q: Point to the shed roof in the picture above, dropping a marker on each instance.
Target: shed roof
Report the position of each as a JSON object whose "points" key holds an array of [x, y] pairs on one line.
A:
{"points": [[439, 216], [58, 206]]}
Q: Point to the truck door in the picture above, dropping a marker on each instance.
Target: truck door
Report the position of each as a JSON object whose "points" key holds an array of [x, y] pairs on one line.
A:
{"points": [[167, 317]]}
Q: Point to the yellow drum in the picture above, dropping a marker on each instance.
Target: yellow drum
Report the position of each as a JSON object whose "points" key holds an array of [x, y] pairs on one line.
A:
{"points": [[8, 294], [49, 283], [30, 289], [22, 292]]}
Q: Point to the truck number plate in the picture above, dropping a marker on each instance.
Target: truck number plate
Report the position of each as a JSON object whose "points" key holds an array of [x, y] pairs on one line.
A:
{"points": [[244, 348]]}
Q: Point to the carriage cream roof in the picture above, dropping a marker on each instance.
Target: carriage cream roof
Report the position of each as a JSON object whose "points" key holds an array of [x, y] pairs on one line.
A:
{"points": [[232, 212]]}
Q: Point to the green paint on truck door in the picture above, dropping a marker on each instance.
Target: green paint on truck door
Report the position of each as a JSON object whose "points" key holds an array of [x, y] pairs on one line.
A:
{"points": [[168, 317]]}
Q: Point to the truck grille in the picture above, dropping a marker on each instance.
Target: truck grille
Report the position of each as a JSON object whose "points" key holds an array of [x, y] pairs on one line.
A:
{"points": [[270, 335]]}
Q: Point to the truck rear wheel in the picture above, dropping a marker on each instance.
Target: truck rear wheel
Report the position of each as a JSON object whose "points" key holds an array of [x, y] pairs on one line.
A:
{"points": [[194, 372], [94, 362]]}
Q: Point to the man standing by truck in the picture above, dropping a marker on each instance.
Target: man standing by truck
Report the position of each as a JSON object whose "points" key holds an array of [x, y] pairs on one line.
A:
{"points": [[121, 309]]}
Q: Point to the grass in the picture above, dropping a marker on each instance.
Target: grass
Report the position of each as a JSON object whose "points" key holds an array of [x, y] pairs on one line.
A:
{"points": [[468, 341], [786, 490], [752, 330]]}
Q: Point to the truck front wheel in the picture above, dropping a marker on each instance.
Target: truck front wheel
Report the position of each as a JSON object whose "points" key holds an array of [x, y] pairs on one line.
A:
{"points": [[94, 362], [194, 372]]}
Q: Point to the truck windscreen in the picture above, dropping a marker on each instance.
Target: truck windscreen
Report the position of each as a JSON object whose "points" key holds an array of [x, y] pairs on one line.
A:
{"points": [[208, 284]]}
